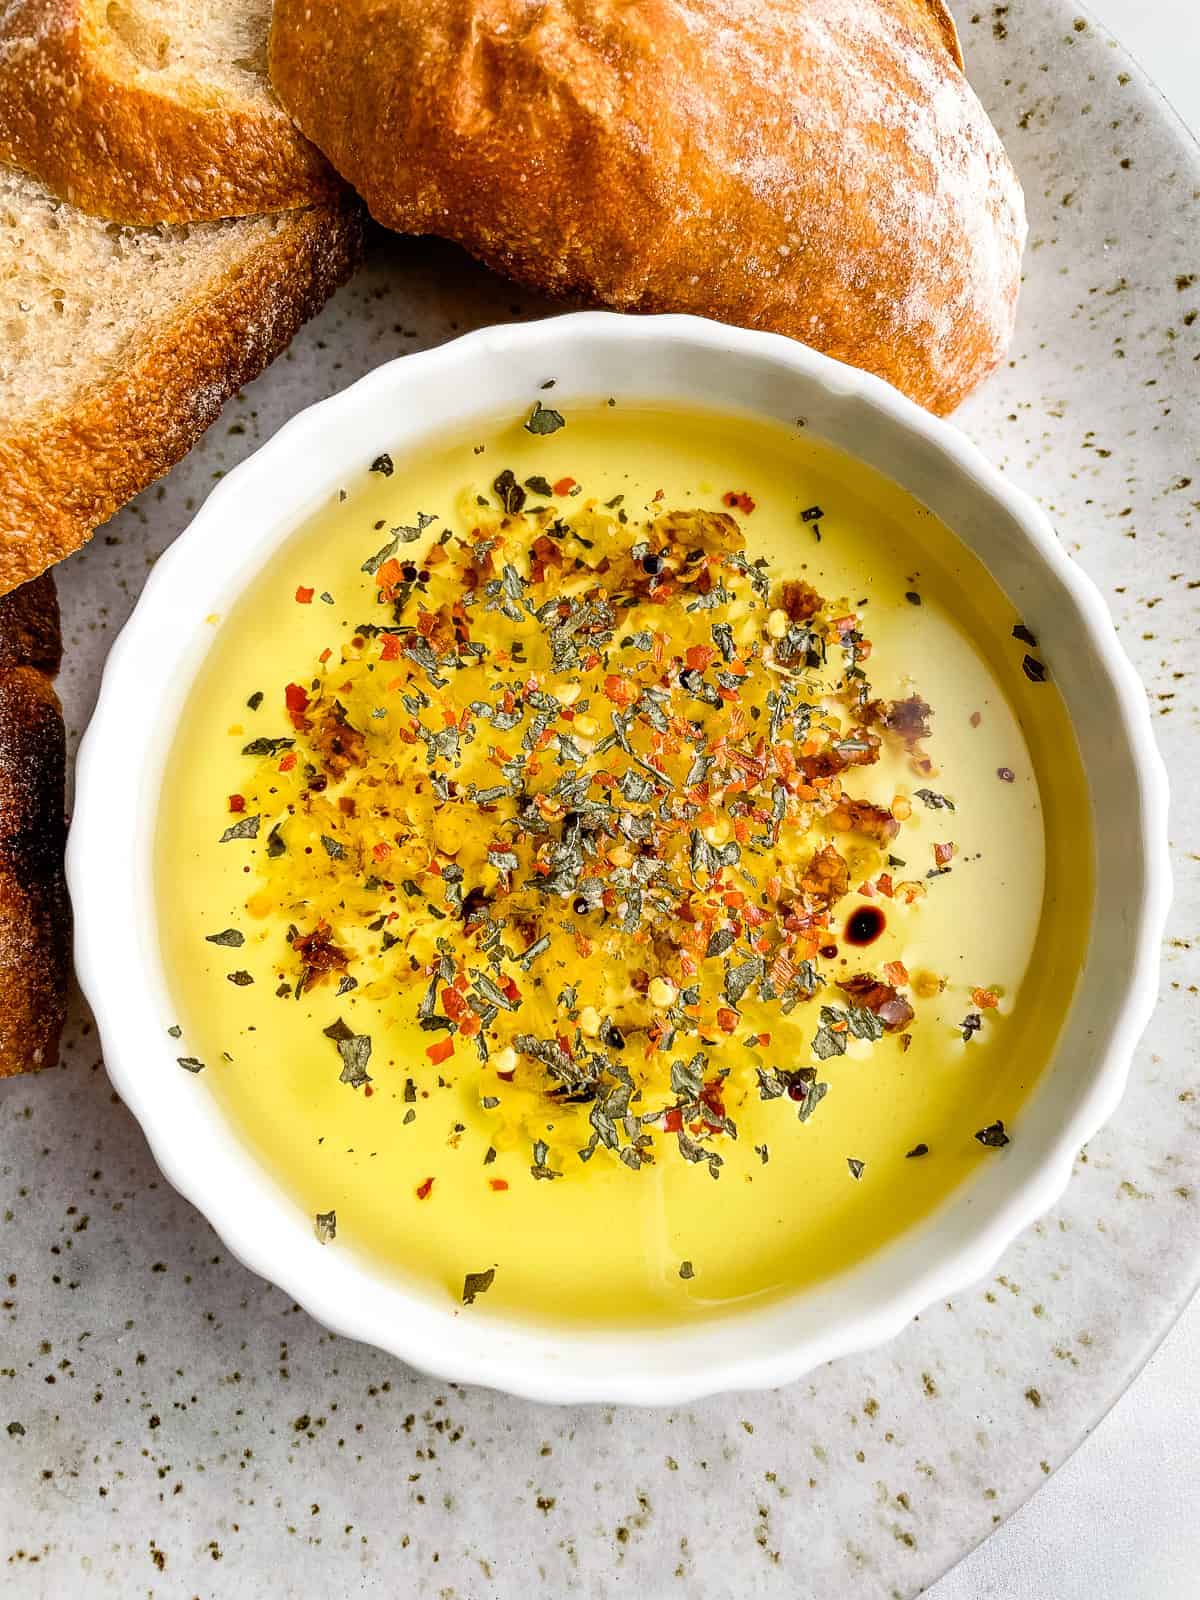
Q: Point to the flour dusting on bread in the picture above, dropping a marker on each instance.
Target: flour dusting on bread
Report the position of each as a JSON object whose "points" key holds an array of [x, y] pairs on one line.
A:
{"points": [[945, 193]]}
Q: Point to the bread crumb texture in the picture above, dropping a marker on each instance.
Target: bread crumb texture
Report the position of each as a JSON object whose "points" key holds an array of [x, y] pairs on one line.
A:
{"points": [[118, 347]]}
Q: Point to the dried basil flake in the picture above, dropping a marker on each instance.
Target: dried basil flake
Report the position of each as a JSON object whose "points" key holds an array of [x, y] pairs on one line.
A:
{"points": [[542, 419], [247, 828], [477, 1283], [266, 747], [993, 1136], [512, 496], [935, 802]]}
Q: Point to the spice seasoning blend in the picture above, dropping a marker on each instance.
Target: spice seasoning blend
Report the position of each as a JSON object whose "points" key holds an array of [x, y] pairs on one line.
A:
{"points": [[592, 857]]}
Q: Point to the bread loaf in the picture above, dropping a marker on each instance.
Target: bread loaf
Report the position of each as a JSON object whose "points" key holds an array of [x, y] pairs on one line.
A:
{"points": [[816, 167], [35, 919]]}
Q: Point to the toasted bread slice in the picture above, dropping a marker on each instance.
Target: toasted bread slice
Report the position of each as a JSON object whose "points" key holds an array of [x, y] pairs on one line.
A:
{"points": [[118, 347], [151, 110], [35, 916]]}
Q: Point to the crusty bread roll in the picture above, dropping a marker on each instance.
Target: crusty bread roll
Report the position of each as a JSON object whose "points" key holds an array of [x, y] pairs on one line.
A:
{"points": [[817, 167], [35, 917]]}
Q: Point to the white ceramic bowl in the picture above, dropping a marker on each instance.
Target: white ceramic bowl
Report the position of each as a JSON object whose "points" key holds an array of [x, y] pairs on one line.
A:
{"points": [[496, 372]]}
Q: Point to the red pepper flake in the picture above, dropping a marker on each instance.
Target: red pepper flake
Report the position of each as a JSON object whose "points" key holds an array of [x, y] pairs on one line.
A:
{"points": [[673, 1120], [619, 690], [237, 803], [738, 501], [391, 647], [441, 1051], [295, 697], [319, 954], [563, 485], [304, 597], [381, 852], [425, 1189], [984, 999], [727, 1020], [710, 1095], [498, 1184], [289, 761], [943, 853]]}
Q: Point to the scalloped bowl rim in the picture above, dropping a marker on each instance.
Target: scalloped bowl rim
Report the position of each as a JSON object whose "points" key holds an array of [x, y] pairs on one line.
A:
{"points": [[245, 517]]}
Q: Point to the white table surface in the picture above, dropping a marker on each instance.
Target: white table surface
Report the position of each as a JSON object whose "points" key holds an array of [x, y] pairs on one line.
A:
{"points": [[1119, 1522]]}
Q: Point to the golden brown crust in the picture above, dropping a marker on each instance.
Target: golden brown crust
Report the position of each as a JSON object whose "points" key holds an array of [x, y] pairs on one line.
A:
{"points": [[61, 477], [35, 919], [30, 630], [945, 26], [819, 168], [129, 153]]}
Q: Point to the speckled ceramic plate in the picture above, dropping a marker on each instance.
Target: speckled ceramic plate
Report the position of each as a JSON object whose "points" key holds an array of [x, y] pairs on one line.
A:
{"points": [[176, 1426]]}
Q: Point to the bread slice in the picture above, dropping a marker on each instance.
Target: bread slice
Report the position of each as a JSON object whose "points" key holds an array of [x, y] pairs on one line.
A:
{"points": [[118, 347], [35, 915], [151, 110]]}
